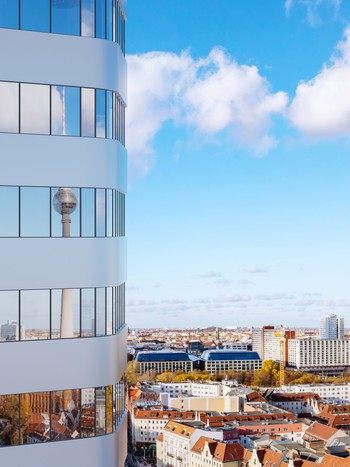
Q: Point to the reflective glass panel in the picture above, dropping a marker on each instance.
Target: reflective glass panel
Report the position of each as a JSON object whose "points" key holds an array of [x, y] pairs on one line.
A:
{"points": [[56, 218], [35, 417], [35, 19], [65, 111], [65, 415], [9, 318], [100, 312], [34, 212], [9, 106], [109, 409], [35, 314], [109, 311], [88, 212], [87, 312], [109, 213], [72, 296], [109, 122], [9, 420], [100, 411], [87, 412], [9, 14], [87, 112], [109, 19], [100, 113], [100, 213], [66, 17], [9, 211], [35, 109], [101, 19], [88, 18]]}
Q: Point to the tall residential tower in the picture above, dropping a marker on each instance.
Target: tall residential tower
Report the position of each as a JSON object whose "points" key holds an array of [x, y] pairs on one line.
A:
{"points": [[332, 327], [62, 233]]}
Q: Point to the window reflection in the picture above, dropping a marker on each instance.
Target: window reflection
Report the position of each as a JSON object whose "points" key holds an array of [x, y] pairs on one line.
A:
{"points": [[65, 415], [109, 311], [66, 17], [109, 19], [109, 409], [101, 19], [9, 114], [9, 210], [88, 212], [100, 411], [35, 109], [65, 111], [87, 112], [109, 121], [56, 312], [8, 14], [100, 312], [74, 216], [100, 113], [87, 312], [38, 21], [35, 314], [9, 420], [100, 213], [9, 318], [88, 18], [87, 412], [33, 201], [35, 418]]}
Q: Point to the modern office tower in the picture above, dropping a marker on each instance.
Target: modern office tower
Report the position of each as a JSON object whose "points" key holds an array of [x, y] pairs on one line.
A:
{"points": [[332, 327], [62, 233]]}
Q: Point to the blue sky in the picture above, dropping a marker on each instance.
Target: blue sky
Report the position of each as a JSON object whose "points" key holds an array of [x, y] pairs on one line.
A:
{"points": [[238, 137]]}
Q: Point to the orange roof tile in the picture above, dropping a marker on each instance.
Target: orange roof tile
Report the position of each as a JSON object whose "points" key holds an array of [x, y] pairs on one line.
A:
{"points": [[317, 431]]}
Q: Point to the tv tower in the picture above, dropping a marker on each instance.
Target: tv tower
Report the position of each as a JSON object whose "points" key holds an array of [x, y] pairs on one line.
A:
{"points": [[65, 203]]}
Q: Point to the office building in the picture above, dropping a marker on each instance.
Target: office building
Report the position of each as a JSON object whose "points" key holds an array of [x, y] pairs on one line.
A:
{"points": [[166, 360], [221, 361], [332, 327], [62, 234]]}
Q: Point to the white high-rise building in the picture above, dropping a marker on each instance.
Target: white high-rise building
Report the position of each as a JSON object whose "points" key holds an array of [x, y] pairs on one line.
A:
{"points": [[332, 327], [62, 233]]}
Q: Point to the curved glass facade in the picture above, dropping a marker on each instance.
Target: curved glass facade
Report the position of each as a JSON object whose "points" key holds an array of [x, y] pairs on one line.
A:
{"points": [[37, 314], [102, 19], [61, 415], [30, 212], [43, 109]]}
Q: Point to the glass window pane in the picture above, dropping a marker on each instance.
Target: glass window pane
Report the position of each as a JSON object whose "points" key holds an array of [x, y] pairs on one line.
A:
{"points": [[65, 110], [35, 314], [87, 312], [87, 412], [73, 228], [35, 19], [9, 106], [9, 420], [9, 318], [71, 295], [100, 411], [88, 18], [101, 19], [87, 112], [109, 212], [100, 113], [35, 109], [110, 20], [100, 213], [65, 415], [8, 14], [100, 312], [9, 211], [109, 311], [34, 212], [109, 123], [109, 408], [88, 212], [66, 17], [35, 417]]}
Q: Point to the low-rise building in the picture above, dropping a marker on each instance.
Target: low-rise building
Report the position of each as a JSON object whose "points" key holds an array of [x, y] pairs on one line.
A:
{"points": [[324, 438], [303, 404], [221, 361], [165, 360], [209, 452], [335, 393]]}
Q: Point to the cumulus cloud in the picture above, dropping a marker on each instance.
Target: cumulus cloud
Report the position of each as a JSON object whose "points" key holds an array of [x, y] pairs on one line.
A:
{"points": [[320, 107], [209, 95]]}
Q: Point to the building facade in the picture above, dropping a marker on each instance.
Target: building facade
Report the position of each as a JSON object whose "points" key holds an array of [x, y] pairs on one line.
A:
{"points": [[332, 327], [266, 342], [62, 235], [220, 361], [165, 360]]}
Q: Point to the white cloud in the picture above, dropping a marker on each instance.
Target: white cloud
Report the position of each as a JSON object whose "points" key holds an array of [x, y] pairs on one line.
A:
{"points": [[255, 270], [209, 95], [316, 10], [321, 107]]}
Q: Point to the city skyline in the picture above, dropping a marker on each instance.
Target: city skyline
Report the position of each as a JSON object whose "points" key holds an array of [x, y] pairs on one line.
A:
{"points": [[238, 140]]}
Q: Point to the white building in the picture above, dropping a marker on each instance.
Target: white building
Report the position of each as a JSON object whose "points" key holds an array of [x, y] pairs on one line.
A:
{"points": [[221, 361], [332, 327], [316, 355], [10, 331], [266, 342], [63, 174], [335, 393]]}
